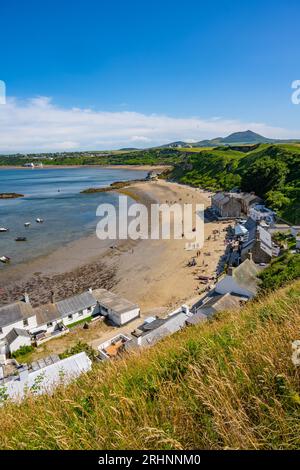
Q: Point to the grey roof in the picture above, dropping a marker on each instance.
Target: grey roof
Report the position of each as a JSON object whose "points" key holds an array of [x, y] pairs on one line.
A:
{"points": [[265, 240], [75, 304], [152, 332], [246, 275], [46, 313], [15, 312], [14, 333], [248, 197], [218, 303], [218, 196], [196, 318], [112, 301]]}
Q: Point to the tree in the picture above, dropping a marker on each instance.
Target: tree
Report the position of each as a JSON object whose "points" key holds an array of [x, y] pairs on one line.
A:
{"points": [[277, 200], [264, 175]]}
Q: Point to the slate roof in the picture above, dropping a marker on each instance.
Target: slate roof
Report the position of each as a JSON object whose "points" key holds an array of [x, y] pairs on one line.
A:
{"points": [[75, 304], [112, 301], [246, 275], [15, 312], [14, 333], [265, 240], [248, 198], [196, 318], [220, 302], [218, 196], [46, 313]]}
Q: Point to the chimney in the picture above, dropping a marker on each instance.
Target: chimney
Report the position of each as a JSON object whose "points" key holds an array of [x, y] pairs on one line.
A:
{"points": [[26, 298], [52, 297], [249, 255], [230, 271], [90, 290]]}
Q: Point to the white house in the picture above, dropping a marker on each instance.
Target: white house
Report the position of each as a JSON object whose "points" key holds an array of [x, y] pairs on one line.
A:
{"points": [[51, 318], [17, 338], [241, 281], [66, 312], [117, 309]]}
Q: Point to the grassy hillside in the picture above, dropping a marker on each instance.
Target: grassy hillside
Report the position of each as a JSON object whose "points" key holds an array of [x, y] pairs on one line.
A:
{"points": [[272, 171], [229, 383]]}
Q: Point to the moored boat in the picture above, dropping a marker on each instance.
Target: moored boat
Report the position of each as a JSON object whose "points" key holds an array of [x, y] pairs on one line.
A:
{"points": [[39, 221], [21, 239], [4, 259], [27, 224], [4, 229]]}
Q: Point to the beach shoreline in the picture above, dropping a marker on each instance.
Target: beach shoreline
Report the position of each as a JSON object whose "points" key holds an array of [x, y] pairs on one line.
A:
{"points": [[152, 273]]}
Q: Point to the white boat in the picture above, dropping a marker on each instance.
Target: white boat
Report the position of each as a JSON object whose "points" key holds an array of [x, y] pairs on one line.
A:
{"points": [[27, 224], [4, 259], [3, 229], [39, 221]]}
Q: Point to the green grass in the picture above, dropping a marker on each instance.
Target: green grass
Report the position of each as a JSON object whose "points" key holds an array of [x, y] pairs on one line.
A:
{"points": [[226, 384]]}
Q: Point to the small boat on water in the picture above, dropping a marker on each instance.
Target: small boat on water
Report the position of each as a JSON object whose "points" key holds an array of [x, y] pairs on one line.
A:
{"points": [[27, 224], [4, 259], [39, 221], [4, 229], [21, 239]]}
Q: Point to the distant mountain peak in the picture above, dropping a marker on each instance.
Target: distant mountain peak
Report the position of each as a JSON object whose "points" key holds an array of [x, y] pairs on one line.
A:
{"points": [[247, 137]]}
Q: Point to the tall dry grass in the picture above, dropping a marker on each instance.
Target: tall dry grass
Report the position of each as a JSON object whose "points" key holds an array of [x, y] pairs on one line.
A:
{"points": [[226, 384]]}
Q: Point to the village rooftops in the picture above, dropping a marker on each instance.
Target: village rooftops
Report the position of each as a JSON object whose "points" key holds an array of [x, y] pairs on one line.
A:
{"points": [[246, 275], [75, 304], [112, 301], [46, 313], [15, 312], [221, 302], [168, 324]]}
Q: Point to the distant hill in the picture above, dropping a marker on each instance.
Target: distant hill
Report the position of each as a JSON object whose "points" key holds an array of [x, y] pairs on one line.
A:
{"points": [[237, 138], [246, 137]]}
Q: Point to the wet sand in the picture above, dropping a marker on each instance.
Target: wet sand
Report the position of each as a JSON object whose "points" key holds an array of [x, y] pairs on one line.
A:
{"points": [[153, 273]]}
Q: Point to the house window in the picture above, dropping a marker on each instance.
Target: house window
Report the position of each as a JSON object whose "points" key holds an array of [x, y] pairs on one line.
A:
{"points": [[49, 324], [80, 313], [25, 322], [1, 331], [70, 316], [90, 309]]}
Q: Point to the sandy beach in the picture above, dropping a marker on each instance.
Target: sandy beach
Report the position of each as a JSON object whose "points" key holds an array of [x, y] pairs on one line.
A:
{"points": [[153, 273]]}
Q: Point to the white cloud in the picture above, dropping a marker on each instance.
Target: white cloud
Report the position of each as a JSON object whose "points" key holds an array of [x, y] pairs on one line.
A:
{"points": [[40, 125]]}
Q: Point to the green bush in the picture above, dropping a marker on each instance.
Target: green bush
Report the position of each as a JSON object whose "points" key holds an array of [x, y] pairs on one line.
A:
{"points": [[22, 351]]}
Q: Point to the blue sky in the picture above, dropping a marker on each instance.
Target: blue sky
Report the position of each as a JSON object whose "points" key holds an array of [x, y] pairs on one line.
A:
{"points": [[226, 62]]}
